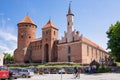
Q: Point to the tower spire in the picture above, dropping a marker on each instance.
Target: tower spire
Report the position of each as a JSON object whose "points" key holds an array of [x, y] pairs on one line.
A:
{"points": [[69, 10]]}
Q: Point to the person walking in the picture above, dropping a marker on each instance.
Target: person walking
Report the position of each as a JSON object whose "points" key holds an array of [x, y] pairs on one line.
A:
{"points": [[76, 72]]}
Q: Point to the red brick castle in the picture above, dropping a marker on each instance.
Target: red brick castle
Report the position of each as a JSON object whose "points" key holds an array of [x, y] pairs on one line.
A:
{"points": [[72, 47]]}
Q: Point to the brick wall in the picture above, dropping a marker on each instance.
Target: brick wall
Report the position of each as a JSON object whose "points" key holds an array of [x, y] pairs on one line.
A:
{"points": [[75, 52]]}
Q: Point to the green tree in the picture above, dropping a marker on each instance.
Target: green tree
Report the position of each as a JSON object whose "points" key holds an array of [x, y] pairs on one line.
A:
{"points": [[113, 35], [8, 58]]}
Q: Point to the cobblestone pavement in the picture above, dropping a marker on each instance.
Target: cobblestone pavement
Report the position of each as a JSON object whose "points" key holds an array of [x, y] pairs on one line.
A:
{"points": [[102, 76]]}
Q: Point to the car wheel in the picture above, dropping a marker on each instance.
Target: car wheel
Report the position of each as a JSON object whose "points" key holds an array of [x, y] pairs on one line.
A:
{"points": [[24, 76], [10, 79], [29, 76], [16, 78]]}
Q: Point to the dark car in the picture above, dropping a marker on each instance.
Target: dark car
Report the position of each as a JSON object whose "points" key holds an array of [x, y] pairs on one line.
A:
{"points": [[46, 71], [70, 70], [14, 74], [53, 71]]}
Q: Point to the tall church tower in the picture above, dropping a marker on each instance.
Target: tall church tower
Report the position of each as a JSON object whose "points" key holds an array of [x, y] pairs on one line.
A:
{"points": [[49, 36], [70, 18], [26, 33], [70, 26]]}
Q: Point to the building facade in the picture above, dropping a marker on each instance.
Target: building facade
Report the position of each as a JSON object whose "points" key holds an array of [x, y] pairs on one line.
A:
{"points": [[72, 47]]}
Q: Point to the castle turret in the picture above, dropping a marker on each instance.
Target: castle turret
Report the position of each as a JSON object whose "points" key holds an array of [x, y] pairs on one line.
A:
{"points": [[26, 33], [49, 36]]}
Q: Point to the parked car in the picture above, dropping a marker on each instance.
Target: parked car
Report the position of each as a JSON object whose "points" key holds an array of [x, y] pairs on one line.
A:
{"points": [[4, 73], [62, 71], [26, 72], [53, 71], [70, 70], [46, 71], [14, 74]]}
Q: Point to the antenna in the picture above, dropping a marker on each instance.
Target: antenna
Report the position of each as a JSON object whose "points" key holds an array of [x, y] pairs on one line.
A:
{"points": [[70, 3]]}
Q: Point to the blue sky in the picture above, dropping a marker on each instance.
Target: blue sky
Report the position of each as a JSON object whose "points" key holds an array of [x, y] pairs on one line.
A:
{"points": [[92, 18]]}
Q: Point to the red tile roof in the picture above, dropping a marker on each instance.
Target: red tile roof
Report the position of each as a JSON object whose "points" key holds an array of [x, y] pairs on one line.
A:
{"points": [[91, 43], [27, 19], [49, 25]]}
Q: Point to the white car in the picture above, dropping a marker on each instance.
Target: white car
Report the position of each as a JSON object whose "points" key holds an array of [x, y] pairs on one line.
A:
{"points": [[26, 72], [62, 71]]}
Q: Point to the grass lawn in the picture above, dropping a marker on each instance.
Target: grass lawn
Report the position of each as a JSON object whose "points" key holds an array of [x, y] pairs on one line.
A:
{"points": [[118, 63], [48, 65]]}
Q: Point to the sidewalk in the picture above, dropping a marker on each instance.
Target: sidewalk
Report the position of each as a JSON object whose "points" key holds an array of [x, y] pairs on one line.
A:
{"points": [[102, 76]]}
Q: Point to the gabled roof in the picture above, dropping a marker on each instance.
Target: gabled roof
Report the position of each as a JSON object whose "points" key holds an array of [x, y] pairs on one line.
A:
{"points": [[91, 43], [49, 25], [27, 19]]}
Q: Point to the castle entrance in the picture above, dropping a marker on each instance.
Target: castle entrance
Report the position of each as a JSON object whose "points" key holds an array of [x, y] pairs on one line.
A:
{"points": [[46, 53]]}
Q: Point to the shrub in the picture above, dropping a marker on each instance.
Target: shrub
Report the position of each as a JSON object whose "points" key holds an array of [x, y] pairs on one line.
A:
{"points": [[103, 70]]}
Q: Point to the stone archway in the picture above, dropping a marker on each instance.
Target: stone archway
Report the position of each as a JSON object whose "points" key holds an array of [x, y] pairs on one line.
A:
{"points": [[46, 53]]}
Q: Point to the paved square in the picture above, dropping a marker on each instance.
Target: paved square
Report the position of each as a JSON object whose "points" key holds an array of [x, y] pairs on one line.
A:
{"points": [[101, 76]]}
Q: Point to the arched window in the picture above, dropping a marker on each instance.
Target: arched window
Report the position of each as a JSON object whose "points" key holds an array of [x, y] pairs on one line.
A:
{"points": [[69, 50]]}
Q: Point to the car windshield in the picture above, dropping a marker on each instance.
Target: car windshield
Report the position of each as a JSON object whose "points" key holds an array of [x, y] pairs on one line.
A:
{"points": [[3, 68], [31, 70], [13, 70]]}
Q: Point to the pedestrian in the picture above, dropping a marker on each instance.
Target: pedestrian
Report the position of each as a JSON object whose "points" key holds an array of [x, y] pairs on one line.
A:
{"points": [[76, 72]]}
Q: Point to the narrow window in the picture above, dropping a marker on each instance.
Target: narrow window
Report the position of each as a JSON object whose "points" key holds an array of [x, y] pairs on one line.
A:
{"points": [[96, 53], [87, 50], [46, 32], [54, 32], [69, 50], [92, 52], [69, 58], [26, 25], [66, 40], [21, 36], [73, 38], [68, 23]]}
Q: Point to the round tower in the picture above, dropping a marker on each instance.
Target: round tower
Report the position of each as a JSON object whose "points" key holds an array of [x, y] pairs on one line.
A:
{"points": [[26, 32]]}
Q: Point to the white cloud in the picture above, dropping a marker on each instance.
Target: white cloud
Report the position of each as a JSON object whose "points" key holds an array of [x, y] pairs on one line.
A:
{"points": [[7, 49], [3, 48], [9, 42], [8, 36]]}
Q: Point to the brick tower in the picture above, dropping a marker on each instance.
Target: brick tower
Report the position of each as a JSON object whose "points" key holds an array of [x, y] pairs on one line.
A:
{"points": [[26, 33], [49, 36]]}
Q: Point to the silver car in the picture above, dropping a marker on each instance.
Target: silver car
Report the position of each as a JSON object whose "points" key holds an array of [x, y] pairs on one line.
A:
{"points": [[26, 72], [14, 74]]}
